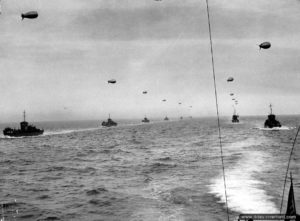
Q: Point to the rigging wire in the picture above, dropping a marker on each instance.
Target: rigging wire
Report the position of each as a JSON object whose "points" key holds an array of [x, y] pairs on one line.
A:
{"points": [[217, 106], [288, 167]]}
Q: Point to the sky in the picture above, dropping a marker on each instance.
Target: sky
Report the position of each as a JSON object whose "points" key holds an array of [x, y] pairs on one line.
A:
{"points": [[56, 67]]}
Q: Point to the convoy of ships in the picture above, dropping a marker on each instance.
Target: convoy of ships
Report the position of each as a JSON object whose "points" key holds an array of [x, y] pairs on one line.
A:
{"points": [[29, 130]]}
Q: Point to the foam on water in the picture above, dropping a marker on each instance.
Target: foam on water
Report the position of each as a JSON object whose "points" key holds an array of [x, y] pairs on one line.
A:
{"points": [[275, 128], [245, 192], [68, 131], [8, 137]]}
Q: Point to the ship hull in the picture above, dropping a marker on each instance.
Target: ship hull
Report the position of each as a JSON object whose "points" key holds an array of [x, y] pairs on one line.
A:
{"points": [[109, 125], [145, 120], [23, 134], [235, 119], [271, 122]]}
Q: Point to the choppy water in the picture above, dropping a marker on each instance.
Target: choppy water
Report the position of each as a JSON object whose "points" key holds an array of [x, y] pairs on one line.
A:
{"points": [[158, 171]]}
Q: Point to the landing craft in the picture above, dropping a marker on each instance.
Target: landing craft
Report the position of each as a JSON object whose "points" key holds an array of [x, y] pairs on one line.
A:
{"points": [[231, 94], [145, 92], [230, 79], [164, 100], [179, 103], [264, 45], [30, 15], [112, 81]]}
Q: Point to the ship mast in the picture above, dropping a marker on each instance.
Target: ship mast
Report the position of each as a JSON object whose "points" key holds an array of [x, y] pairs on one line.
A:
{"points": [[234, 110], [24, 115], [271, 109]]}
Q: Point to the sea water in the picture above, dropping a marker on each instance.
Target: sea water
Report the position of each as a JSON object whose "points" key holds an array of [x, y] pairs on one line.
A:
{"points": [[167, 170]]}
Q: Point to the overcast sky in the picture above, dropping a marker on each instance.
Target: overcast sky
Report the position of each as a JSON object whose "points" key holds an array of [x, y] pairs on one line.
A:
{"points": [[57, 66]]}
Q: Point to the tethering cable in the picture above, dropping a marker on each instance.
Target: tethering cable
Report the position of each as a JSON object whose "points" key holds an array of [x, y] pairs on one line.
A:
{"points": [[217, 106]]}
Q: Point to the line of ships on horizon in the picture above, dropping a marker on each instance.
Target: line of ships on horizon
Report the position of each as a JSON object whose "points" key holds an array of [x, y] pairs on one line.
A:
{"points": [[29, 130]]}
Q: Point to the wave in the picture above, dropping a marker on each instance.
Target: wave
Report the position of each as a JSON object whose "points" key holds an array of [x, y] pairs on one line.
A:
{"points": [[42, 197], [165, 159], [160, 167], [96, 191], [101, 202], [172, 200]]}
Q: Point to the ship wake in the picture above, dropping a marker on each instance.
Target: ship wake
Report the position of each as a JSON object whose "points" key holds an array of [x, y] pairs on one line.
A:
{"points": [[245, 193]]}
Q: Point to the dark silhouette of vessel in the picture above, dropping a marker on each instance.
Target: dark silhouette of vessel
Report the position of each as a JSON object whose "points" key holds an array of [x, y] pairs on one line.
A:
{"points": [[271, 121], [166, 118], [109, 122], [25, 130], [145, 120], [181, 118], [235, 117]]}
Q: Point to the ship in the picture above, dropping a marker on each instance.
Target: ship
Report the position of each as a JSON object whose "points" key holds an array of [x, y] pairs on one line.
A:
{"points": [[166, 118], [181, 118], [235, 117], [271, 121], [145, 120], [25, 130], [109, 122]]}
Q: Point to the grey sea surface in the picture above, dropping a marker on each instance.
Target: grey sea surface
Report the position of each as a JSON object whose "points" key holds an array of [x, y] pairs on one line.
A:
{"points": [[157, 171]]}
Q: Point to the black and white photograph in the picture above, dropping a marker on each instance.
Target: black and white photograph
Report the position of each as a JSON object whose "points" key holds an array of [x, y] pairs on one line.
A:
{"points": [[149, 110]]}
